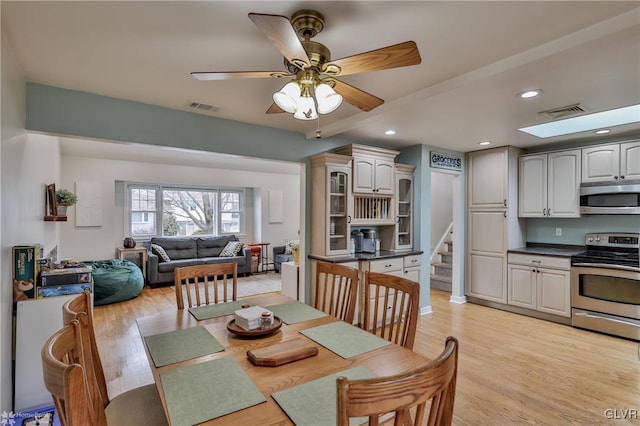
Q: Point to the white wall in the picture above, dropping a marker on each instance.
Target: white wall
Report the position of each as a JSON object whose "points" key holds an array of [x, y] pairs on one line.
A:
{"points": [[441, 205], [27, 165], [92, 243]]}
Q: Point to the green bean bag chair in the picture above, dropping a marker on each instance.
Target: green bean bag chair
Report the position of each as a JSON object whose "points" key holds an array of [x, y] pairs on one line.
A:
{"points": [[115, 280]]}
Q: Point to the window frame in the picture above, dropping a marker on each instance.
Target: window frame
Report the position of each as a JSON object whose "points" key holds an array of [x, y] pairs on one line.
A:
{"points": [[159, 210]]}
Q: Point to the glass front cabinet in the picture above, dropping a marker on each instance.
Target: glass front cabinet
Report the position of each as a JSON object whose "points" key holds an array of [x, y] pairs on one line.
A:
{"points": [[332, 204], [404, 208]]}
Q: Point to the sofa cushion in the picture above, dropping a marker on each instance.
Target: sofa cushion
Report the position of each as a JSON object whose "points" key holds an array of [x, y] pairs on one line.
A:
{"points": [[177, 247], [159, 251], [231, 249], [212, 246], [240, 260], [170, 266]]}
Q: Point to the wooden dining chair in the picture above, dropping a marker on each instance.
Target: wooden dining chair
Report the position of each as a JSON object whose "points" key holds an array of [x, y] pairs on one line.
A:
{"points": [[123, 409], [336, 290], [404, 395], [206, 284], [391, 308]]}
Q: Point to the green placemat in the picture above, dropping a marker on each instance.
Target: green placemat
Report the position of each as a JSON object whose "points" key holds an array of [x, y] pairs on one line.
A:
{"points": [[344, 339], [180, 345], [201, 392], [291, 313], [218, 310], [314, 403]]}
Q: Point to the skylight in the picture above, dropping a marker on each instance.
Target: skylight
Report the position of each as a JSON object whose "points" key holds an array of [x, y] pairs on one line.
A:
{"points": [[583, 123]]}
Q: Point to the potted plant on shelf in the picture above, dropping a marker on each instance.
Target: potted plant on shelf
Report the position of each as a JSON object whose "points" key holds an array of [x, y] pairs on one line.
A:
{"points": [[65, 198]]}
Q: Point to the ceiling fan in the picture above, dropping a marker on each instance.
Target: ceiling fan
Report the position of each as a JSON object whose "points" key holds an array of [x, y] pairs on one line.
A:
{"points": [[314, 89]]}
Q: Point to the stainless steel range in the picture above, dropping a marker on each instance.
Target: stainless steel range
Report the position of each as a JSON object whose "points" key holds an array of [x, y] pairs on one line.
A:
{"points": [[605, 285]]}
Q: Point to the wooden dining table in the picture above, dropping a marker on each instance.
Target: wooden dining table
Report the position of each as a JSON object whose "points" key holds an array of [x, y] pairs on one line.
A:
{"points": [[387, 360]]}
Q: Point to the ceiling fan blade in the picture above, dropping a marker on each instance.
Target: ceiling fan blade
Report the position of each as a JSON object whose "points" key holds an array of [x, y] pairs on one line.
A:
{"points": [[274, 109], [398, 55], [356, 97], [279, 31], [238, 74]]}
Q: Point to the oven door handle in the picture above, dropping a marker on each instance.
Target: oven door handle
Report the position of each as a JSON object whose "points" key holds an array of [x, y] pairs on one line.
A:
{"points": [[607, 266], [605, 317]]}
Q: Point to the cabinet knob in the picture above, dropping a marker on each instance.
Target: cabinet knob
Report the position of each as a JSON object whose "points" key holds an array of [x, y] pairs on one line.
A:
{"points": [[622, 177], [615, 177]]}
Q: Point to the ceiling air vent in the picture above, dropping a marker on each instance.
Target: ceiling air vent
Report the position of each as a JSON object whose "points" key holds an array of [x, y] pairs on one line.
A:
{"points": [[565, 111], [203, 107]]}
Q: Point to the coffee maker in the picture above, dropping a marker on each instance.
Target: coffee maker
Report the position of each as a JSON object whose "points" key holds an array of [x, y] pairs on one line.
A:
{"points": [[365, 240]]}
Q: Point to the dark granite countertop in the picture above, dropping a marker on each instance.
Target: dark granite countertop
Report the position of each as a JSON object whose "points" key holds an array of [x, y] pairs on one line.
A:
{"points": [[560, 250], [382, 254]]}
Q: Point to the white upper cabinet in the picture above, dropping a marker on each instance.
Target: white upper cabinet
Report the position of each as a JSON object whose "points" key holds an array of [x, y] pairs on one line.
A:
{"points": [[488, 178], [612, 162], [373, 175], [630, 160], [550, 185], [373, 169]]}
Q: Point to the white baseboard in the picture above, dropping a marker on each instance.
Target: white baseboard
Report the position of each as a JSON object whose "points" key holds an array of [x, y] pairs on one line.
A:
{"points": [[425, 310], [458, 299]]}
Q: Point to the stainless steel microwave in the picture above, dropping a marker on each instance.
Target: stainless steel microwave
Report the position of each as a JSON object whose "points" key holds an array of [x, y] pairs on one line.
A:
{"points": [[610, 198]]}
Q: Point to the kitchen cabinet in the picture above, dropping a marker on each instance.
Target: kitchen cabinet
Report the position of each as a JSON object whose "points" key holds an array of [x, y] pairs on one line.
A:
{"points": [[541, 283], [400, 236], [488, 178], [612, 162], [549, 184], [493, 225], [332, 204], [412, 267], [373, 169], [487, 255]]}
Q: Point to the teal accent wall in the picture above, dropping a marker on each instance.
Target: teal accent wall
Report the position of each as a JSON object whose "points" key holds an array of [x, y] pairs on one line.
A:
{"points": [[71, 112], [574, 230]]}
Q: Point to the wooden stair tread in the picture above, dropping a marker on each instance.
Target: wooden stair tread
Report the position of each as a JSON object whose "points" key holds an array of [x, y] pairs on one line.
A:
{"points": [[441, 278]]}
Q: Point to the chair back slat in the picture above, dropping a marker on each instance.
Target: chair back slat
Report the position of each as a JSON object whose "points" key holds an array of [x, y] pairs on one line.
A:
{"points": [[378, 398], [206, 284], [80, 309], [336, 288], [391, 308], [65, 377]]}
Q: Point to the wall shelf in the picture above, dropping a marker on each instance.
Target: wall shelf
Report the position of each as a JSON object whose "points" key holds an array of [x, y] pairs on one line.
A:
{"points": [[55, 218]]}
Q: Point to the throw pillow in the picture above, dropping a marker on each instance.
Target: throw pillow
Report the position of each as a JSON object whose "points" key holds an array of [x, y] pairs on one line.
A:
{"points": [[159, 251], [231, 249], [289, 245]]}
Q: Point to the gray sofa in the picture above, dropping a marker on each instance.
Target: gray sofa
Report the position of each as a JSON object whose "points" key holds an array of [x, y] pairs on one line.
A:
{"points": [[189, 251], [279, 257]]}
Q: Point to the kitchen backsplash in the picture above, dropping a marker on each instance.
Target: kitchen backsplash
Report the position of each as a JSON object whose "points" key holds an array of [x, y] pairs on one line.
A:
{"points": [[573, 230]]}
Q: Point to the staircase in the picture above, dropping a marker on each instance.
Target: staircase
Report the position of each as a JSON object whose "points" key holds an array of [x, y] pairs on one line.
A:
{"points": [[441, 271]]}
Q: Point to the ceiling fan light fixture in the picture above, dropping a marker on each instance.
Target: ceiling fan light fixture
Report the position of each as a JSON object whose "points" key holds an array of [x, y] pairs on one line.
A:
{"points": [[287, 97], [306, 109], [328, 99]]}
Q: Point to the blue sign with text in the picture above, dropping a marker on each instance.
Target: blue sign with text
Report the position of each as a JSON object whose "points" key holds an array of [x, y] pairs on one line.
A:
{"points": [[446, 161]]}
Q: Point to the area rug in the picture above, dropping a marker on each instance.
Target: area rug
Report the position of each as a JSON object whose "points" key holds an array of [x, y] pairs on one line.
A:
{"points": [[250, 286]]}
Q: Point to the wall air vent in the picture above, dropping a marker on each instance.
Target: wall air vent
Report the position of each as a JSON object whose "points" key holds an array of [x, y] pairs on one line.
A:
{"points": [[202, 107], [565, 111]]}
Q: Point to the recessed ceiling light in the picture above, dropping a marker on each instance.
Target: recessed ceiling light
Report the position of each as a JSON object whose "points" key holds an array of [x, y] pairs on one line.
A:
{"points": [[483, 143], [584, 123], [390, 132], [602, 131], [529, 93]]}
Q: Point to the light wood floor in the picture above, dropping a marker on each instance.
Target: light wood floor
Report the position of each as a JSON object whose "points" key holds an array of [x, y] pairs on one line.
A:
{"points": [[512, 369]]}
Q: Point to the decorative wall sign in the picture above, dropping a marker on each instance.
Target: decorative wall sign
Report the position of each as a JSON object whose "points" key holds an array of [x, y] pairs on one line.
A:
{"points": [[445, 161]]}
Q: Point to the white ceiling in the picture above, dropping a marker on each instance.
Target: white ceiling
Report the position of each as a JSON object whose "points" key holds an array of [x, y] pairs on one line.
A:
{"points": [[476, 56]]}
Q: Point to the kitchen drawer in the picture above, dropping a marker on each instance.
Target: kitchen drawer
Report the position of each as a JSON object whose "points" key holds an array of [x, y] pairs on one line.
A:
{"points": [[414, 260], [386, 266], [537, 260]]}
